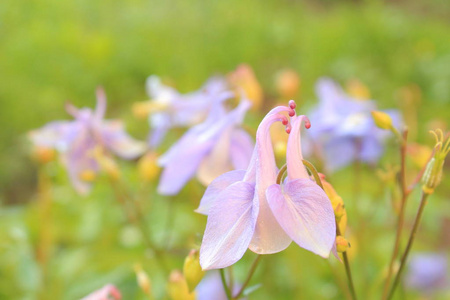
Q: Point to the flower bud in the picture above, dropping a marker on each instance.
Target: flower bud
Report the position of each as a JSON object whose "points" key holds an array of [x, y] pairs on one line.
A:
{"points": [[243, 78], [341, 244], [382, 119], [192, 270], [433, 172], [88, 175], [148, 167], [358, 90], [43, 155], [178, 288], [143, 280], [337, 203], [288, 83]]}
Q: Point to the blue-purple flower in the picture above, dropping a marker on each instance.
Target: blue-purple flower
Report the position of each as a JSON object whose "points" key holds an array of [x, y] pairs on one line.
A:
{"points": [[168, 108], [344, 130], [77, 141], [211, 287], [245, 209], [208, 149], [428, 272]]}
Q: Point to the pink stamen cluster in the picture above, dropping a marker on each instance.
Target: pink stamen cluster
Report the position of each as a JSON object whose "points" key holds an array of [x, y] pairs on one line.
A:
{"points": [[285, 121]]}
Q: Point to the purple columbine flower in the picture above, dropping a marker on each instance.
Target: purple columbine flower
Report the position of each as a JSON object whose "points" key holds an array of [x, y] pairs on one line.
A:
{"points": [[242, 215], [76, 140], [344, 130], [171, 109], [428, 272], [209, 149]]}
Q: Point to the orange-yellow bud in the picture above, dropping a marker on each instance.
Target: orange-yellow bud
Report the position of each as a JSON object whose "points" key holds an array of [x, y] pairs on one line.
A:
{"points": [[358, 90], [382, 119], [178, 288], [288, 83], [341, 244], [148, 168], [243, 78], [43, 155], [143, 280], [192, 270], [88, 175]]}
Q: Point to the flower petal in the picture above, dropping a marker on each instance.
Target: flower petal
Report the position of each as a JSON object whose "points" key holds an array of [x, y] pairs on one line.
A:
{"points": [[216, 186], [115, 139], [230, 226], [180, 165], [305, 213], [241, 148]]}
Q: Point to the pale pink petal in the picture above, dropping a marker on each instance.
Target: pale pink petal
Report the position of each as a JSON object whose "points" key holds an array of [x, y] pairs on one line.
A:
{"points": [[180, 168], [100, 109], [305, 213], [230, 227], [241, 148], [115, 139], [217, 161], [216, 186], [269, 237], [108, 292]]}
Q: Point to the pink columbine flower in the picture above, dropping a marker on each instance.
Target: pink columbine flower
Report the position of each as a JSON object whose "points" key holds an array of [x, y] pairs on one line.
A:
{"points": [[76, 140], [208, 149], [300, 206], [242, 215], [108, 292]]}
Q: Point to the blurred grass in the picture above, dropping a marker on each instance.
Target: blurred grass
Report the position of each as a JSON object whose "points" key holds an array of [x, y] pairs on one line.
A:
{"points": [[52, 51]]}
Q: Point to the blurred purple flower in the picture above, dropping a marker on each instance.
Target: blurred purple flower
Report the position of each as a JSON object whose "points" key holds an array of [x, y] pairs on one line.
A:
{"points": [[76, 140], [428, 272], [344, 130], [108, 292], [173, 109], [209, 149], [240, 216], [211, 287]]}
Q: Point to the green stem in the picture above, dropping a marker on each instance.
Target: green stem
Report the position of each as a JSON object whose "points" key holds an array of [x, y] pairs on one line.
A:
{"points": [[401, 217], [249, 277], [351, 286], [224, 283], [138, 219], [423, 202]]}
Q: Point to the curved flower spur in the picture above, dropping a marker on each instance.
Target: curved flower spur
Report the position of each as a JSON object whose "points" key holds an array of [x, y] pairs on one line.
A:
{"points": [[299, 205], [240, 216]]}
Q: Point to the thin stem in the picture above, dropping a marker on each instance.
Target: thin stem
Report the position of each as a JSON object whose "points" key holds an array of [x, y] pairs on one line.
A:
{"points": [[340, 282], [249, 277], [170, 220], [281, 173], [45, 230], [138, 219], [224, 283], [314, 172], [351, 286], [423, 202], [231, 277], [401, 216]]}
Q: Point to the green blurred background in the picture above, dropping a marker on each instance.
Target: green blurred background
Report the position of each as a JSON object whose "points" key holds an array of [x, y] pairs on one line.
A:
{"points": [[52, 51]]}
